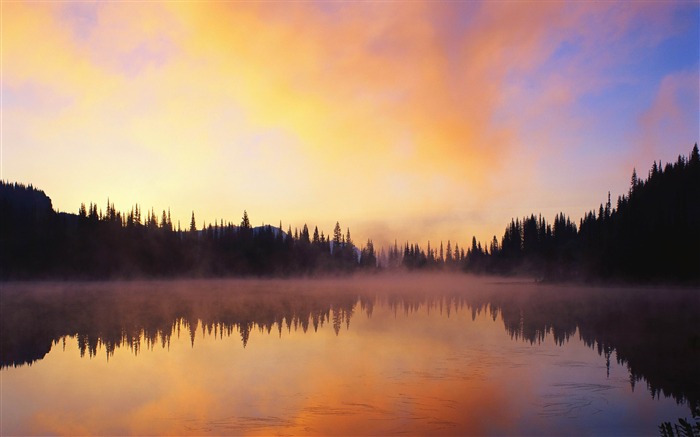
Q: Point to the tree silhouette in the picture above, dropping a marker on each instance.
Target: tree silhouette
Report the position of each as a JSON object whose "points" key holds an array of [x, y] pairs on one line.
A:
{"points": [[337, 234], [651, 234], [245, 222]]}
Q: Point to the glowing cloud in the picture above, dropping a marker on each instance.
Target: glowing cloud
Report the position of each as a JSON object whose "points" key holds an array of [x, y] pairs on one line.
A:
{"points": [[422, 121]]}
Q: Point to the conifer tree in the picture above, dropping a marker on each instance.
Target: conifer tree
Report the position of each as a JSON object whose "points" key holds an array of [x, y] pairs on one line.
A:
{"points": [[245, 222], [337, 234], [193, 224], [694, 156]]}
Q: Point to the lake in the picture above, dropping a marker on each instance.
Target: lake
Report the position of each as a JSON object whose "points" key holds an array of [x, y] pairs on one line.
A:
{"points": [[383, 355]]}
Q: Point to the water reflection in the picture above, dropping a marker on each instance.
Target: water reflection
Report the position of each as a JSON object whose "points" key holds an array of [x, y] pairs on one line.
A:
{"points": [[116, 315], [655, 333]]}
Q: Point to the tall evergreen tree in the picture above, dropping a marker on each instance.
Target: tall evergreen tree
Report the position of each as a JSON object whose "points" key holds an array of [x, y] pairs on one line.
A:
{"points": [[337, 234], [193, 224], [245, 222], [305, 234]]}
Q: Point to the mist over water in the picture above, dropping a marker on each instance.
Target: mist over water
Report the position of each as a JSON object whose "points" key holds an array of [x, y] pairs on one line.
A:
{"points": [[405, 354]]}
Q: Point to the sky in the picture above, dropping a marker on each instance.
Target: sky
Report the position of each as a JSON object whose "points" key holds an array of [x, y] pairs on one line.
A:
{"points": [[408, 120]]}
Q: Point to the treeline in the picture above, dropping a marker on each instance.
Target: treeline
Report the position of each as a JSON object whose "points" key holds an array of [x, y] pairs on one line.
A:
{"points": [[37, 242], [652, 233]]}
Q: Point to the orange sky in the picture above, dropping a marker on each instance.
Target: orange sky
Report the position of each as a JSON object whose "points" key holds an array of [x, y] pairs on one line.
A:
{"points": [[408, 120]]}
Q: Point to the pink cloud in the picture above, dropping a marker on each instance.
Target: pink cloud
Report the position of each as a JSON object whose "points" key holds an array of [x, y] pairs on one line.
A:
{"points": [[672, 118]]}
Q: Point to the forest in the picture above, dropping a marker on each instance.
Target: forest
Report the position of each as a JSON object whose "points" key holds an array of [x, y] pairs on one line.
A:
{"points": [[38, 242], [650, 234]]}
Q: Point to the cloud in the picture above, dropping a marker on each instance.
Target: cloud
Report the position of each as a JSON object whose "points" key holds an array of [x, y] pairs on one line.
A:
{"points": [[364, 111], [672, 117]]}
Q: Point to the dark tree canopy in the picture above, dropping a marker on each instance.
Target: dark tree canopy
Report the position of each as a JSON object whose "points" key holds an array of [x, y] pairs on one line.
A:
{"points": [[650, 234], [37, 242]]}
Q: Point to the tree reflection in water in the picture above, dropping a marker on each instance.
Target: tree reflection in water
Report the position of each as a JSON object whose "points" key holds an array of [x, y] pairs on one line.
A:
{"points": [[654, 331]]}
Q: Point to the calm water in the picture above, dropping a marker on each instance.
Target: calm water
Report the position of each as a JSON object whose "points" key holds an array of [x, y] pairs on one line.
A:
{"points": [[404, 355]]}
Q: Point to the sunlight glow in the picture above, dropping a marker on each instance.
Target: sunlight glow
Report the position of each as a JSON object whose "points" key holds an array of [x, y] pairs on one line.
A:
{"points": [[461, 115]]}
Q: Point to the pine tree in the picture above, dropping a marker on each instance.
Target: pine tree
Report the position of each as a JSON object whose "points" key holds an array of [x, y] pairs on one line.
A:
{"points": [[337, 234], [193, 224], [245, 222], [494, 245]]}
